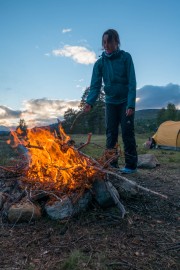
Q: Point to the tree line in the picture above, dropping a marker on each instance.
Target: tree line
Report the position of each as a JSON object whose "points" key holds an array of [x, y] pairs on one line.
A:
{"points": [[78, 123]]}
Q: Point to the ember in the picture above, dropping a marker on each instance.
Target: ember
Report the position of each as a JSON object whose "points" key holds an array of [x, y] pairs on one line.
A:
{"points": [[53, 161]]}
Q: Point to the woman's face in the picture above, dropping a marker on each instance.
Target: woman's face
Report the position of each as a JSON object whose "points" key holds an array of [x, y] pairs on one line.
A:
{"points": [[109, 46]]}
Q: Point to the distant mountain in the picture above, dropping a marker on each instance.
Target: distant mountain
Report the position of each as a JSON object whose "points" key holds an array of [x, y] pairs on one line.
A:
{"points": [[3, 128], [146, 114], [4, 131]]}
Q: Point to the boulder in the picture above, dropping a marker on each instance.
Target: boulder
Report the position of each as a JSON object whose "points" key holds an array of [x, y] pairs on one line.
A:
{"points": [[68, 206], [102, 195], [147, 161], [24, 212]]}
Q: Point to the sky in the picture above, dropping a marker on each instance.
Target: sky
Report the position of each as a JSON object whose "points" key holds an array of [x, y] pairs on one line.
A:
{"points": [[48, 48]]}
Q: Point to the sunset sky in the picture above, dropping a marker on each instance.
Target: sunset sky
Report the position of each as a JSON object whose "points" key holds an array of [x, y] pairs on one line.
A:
{"points": [[48, 48]]}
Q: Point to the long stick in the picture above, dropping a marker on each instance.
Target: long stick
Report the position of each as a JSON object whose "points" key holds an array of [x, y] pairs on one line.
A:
{"points": [[133, 183], [78, 115], [101, 169]]}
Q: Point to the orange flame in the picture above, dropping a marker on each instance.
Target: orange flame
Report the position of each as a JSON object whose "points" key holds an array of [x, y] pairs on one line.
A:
{"points": [[54, 161]]}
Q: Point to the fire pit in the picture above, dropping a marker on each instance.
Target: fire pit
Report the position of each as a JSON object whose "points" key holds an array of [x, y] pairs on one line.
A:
{"points": [[54, 177], [51, 169]]}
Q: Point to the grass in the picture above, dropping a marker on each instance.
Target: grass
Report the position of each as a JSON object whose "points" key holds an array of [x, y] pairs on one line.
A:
{"points": [[7, 153], [96, 148], [98, 144], [75, 261], [78, 260]]}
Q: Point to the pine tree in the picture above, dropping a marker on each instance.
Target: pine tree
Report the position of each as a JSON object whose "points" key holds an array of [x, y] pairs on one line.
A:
{"points": [[69, 117], [84, 123], [170, 113], [94, 120], [161, 116], [22, 128]]}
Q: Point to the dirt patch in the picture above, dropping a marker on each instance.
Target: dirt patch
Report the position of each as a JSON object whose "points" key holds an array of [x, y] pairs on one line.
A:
{"points": [[147, 238]]}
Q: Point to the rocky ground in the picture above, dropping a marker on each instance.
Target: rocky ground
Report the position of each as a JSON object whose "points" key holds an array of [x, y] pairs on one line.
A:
{"points": [[148, 238]]}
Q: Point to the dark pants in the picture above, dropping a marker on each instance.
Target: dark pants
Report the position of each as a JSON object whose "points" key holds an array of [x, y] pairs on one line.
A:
{"points": [[115, 115]]}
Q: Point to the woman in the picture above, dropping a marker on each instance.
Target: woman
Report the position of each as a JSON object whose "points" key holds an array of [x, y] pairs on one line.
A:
{"points": [[116, 69]]}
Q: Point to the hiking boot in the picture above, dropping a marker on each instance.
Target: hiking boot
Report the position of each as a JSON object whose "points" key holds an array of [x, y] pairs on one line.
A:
{"points": [[127, 170]]}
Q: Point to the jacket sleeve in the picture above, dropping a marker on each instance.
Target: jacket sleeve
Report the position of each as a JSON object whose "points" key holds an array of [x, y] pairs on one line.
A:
{"points": [[96, 83], [131, 82]]}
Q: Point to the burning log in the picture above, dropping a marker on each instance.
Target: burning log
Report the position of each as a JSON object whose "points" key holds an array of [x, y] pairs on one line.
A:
{"points": [[35, 146]]}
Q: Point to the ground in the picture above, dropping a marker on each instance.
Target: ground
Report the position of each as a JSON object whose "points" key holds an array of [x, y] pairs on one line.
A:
{"points": [[147, 238]]}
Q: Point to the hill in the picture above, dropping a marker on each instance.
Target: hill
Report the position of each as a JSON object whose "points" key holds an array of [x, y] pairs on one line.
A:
{"points": [[146, 114], [4, 131], [3, 128]]}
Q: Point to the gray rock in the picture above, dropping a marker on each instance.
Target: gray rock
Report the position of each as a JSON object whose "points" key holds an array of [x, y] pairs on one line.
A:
{"points": [[66, 208], [102, 195], [128, 190], [147, 161], [82, 203], [60, 209]]}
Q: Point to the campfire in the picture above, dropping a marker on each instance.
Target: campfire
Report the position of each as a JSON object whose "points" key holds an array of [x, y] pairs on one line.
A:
{"points": [[51, 161], [52, 175]]}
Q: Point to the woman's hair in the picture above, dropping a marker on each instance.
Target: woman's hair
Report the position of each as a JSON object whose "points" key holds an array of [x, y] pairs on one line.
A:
{"points": [[112, 35]]}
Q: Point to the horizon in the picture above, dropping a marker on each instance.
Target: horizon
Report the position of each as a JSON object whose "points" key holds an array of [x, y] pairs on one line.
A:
{"points": [[56, 121]]}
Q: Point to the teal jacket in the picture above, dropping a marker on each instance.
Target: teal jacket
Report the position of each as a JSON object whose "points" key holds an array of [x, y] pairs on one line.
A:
{"points": [[118, 75]]}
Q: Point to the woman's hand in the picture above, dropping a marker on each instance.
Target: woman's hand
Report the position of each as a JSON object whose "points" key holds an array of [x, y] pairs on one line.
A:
{"points": [[87, 108], [129, 111]]}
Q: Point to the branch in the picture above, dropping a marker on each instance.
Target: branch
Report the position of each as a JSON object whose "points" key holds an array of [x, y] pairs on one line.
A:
{"points": [[78, 115], [34, 146], [135, 185], [98, 167], [88, 141], [6, 169], [116, 200]]}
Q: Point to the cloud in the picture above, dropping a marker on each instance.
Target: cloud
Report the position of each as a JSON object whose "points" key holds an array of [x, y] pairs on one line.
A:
{"points": [[66, 30], [79, 54], [156, 97], [52, 107], [7, 113], [37, 112], [45, 111]]}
